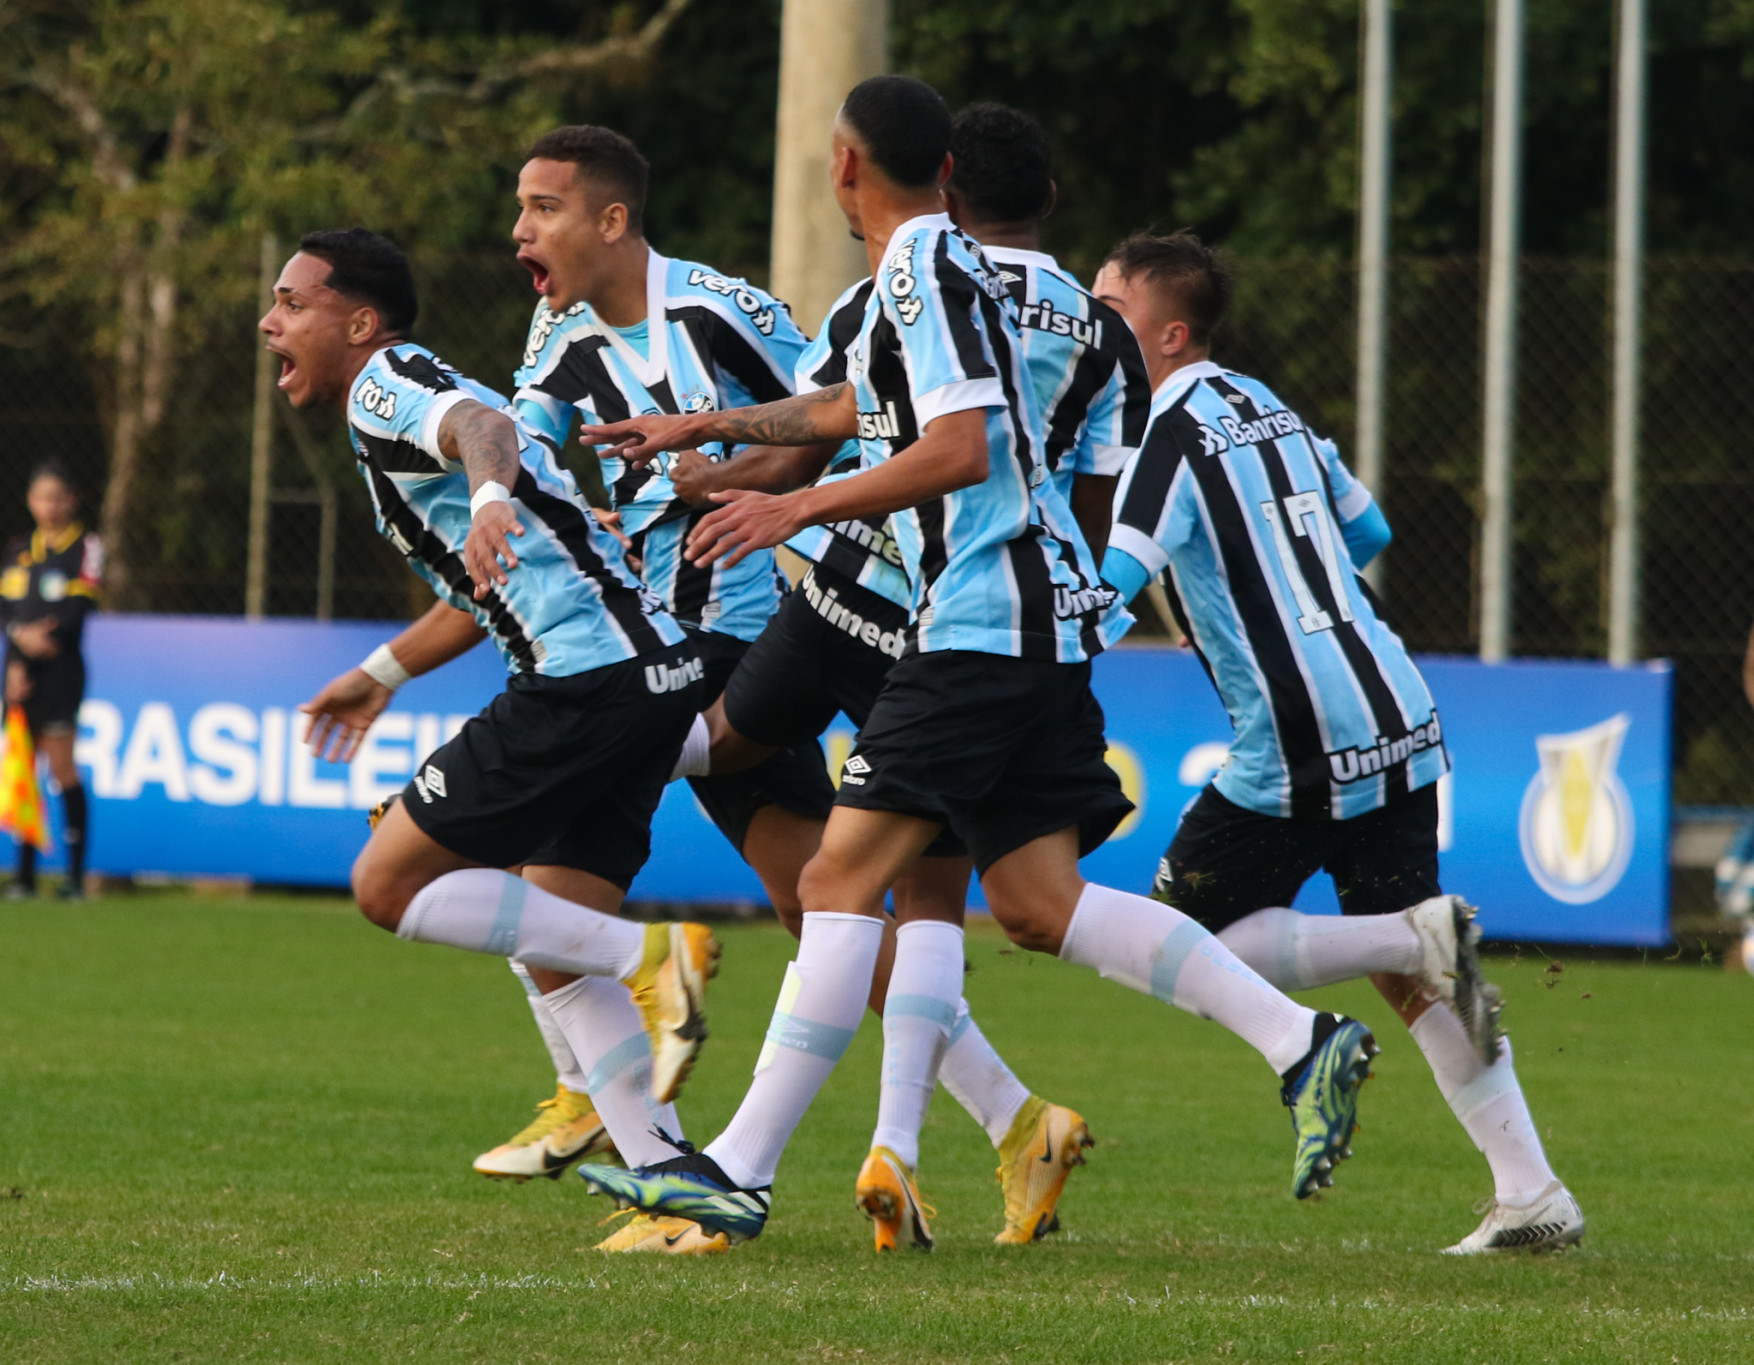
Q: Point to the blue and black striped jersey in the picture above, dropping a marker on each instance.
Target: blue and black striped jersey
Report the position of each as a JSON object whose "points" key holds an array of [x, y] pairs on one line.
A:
{"points": [[714, 343], [1245, 507], [1084, 364], [572, 604], [999, 567]]}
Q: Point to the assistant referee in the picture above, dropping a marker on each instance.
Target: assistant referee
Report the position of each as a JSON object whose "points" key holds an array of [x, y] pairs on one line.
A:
{"points": [[48, 584]]}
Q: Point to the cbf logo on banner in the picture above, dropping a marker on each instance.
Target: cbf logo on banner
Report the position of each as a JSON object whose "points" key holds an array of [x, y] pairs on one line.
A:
{"points": [[1555, 821]]}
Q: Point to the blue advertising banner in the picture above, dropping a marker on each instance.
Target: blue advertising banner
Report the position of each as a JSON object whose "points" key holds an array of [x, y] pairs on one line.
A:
{"points": [[1555, 821]]}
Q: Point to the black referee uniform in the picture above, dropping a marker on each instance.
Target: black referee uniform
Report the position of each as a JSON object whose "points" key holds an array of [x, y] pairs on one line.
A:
{"points": [[55, 578]]}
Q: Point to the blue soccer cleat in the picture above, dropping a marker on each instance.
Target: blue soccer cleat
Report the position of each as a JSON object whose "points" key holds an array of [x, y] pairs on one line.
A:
{"points": [[689, 1186], [1321, 1092]]}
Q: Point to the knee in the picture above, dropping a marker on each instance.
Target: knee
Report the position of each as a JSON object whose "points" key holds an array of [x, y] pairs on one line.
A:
{"points": [[380, 897], [792, 916], [1033, 923], [831, 885]]}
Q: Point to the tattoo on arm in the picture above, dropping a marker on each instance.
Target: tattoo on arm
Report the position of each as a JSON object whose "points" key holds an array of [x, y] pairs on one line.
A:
{"points": [[483, 441], [804, 420]]}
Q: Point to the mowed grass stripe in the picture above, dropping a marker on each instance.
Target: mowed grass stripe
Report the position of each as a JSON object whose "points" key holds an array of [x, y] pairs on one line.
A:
{"points": [[242, 1129]]}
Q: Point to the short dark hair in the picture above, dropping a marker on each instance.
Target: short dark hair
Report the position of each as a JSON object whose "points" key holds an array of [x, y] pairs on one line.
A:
{"points": [[1199, 276], [368, 269], [1004, 166], [57, 470], [905, 126], [604, 157]]}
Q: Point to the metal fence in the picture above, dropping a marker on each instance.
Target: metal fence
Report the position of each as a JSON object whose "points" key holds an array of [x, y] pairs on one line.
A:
{"points": [[1293, 326]]}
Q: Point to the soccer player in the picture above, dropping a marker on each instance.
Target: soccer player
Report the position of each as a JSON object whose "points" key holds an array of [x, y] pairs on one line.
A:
{"points": [[1081, 357], [987, 723], [1338, 744], [622, 329], [49, 582], [561, 773]]}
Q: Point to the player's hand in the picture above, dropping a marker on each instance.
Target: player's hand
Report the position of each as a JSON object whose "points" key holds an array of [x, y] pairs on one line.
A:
{"points": [[692, 476], [610, 521], [17, 684], [747, 522], [342, 712], [489, 544], [639, 440], [36, 639]]}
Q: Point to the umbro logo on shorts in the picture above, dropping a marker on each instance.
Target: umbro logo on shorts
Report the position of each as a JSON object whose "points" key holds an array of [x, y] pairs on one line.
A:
{"points": [[429, 784], [855, 770], [662, 678]]}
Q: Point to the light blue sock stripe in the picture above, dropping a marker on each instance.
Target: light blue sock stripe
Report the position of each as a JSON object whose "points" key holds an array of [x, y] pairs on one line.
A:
{"points": [[806, 1035], [617, 1060], [921, 1007], [1171, 954], [960, 1027], [502, 939]]}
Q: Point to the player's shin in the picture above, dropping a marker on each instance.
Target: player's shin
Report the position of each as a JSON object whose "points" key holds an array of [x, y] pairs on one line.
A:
{"points": [[1159, 951], [607, 1035], [979, 1080], [567, 1071], [819, 1008], [1297, 952], [1488, 1102], [487, 911], [925, 990]]}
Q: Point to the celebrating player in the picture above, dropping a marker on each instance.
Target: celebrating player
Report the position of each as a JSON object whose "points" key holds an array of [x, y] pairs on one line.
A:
{"points": [[561, 773], [48, 583], [831, 644], [1338, 744], [987, 724]]}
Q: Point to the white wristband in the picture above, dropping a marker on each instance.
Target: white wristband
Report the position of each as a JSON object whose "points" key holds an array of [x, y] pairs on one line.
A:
{"points": [[381, 666], [488, 492]]}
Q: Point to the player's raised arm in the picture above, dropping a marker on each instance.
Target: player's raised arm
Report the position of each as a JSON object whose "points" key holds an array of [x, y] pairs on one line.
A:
{"points": [[950, 455], [486, 444], [829, 414], [348, 705]]}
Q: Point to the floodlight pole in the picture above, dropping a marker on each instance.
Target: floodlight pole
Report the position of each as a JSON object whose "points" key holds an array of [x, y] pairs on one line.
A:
{"points": [[1628, 287], [1500, 341], [1375, 136], [261, 447], [826, 48]]}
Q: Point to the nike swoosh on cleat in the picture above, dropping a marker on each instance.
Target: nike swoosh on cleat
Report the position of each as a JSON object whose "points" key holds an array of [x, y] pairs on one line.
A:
{"points": [[670, 1241], [1047, 1157]]}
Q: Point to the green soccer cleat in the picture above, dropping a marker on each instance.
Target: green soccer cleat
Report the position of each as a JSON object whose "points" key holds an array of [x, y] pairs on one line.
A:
{"points": [[1321, 1092], [689, 1186]]}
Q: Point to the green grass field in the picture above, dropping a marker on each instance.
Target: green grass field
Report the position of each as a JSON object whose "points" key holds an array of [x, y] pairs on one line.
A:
{"points": [[241, 1130]]}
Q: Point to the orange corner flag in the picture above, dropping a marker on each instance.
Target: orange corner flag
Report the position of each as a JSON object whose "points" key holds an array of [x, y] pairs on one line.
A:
{"points": [[21, 804]]}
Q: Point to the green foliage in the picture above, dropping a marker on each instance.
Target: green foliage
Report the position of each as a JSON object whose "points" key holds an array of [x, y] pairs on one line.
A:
{"points": [[240, 1130]]}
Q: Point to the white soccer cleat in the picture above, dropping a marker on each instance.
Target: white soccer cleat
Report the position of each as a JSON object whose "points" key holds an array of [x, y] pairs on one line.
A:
{"points": [[1551, 1223], [1450, 967]]}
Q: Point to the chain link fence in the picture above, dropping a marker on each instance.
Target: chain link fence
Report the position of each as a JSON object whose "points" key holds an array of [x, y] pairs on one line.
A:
{"points": [[1294, 326]]}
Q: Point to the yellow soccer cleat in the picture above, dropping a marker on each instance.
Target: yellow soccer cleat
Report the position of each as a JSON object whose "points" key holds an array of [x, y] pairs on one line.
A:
{"points": [[670, 989], [887, 1195], [566, 1129], [662, 1234], [1045, 1142]]}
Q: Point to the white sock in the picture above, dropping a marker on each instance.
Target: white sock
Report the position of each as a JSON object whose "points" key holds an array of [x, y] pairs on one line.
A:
{"points": [[1489, 1103], [566, 1068], [1300, 952], [696, 758], [487, 911], [1161, 952], [820, 1005], [919, 1009], [979, 1079], [608, 1036]]}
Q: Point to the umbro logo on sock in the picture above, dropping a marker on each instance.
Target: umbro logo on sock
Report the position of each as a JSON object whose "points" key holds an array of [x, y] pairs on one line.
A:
{"points": [[855, 770]]}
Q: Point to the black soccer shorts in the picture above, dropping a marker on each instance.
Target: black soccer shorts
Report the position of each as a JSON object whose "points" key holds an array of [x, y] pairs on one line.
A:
{"points": [[1001, 750], [794, 779], [826, 652], [563, 772], [57, 686], [1226, 861]]}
